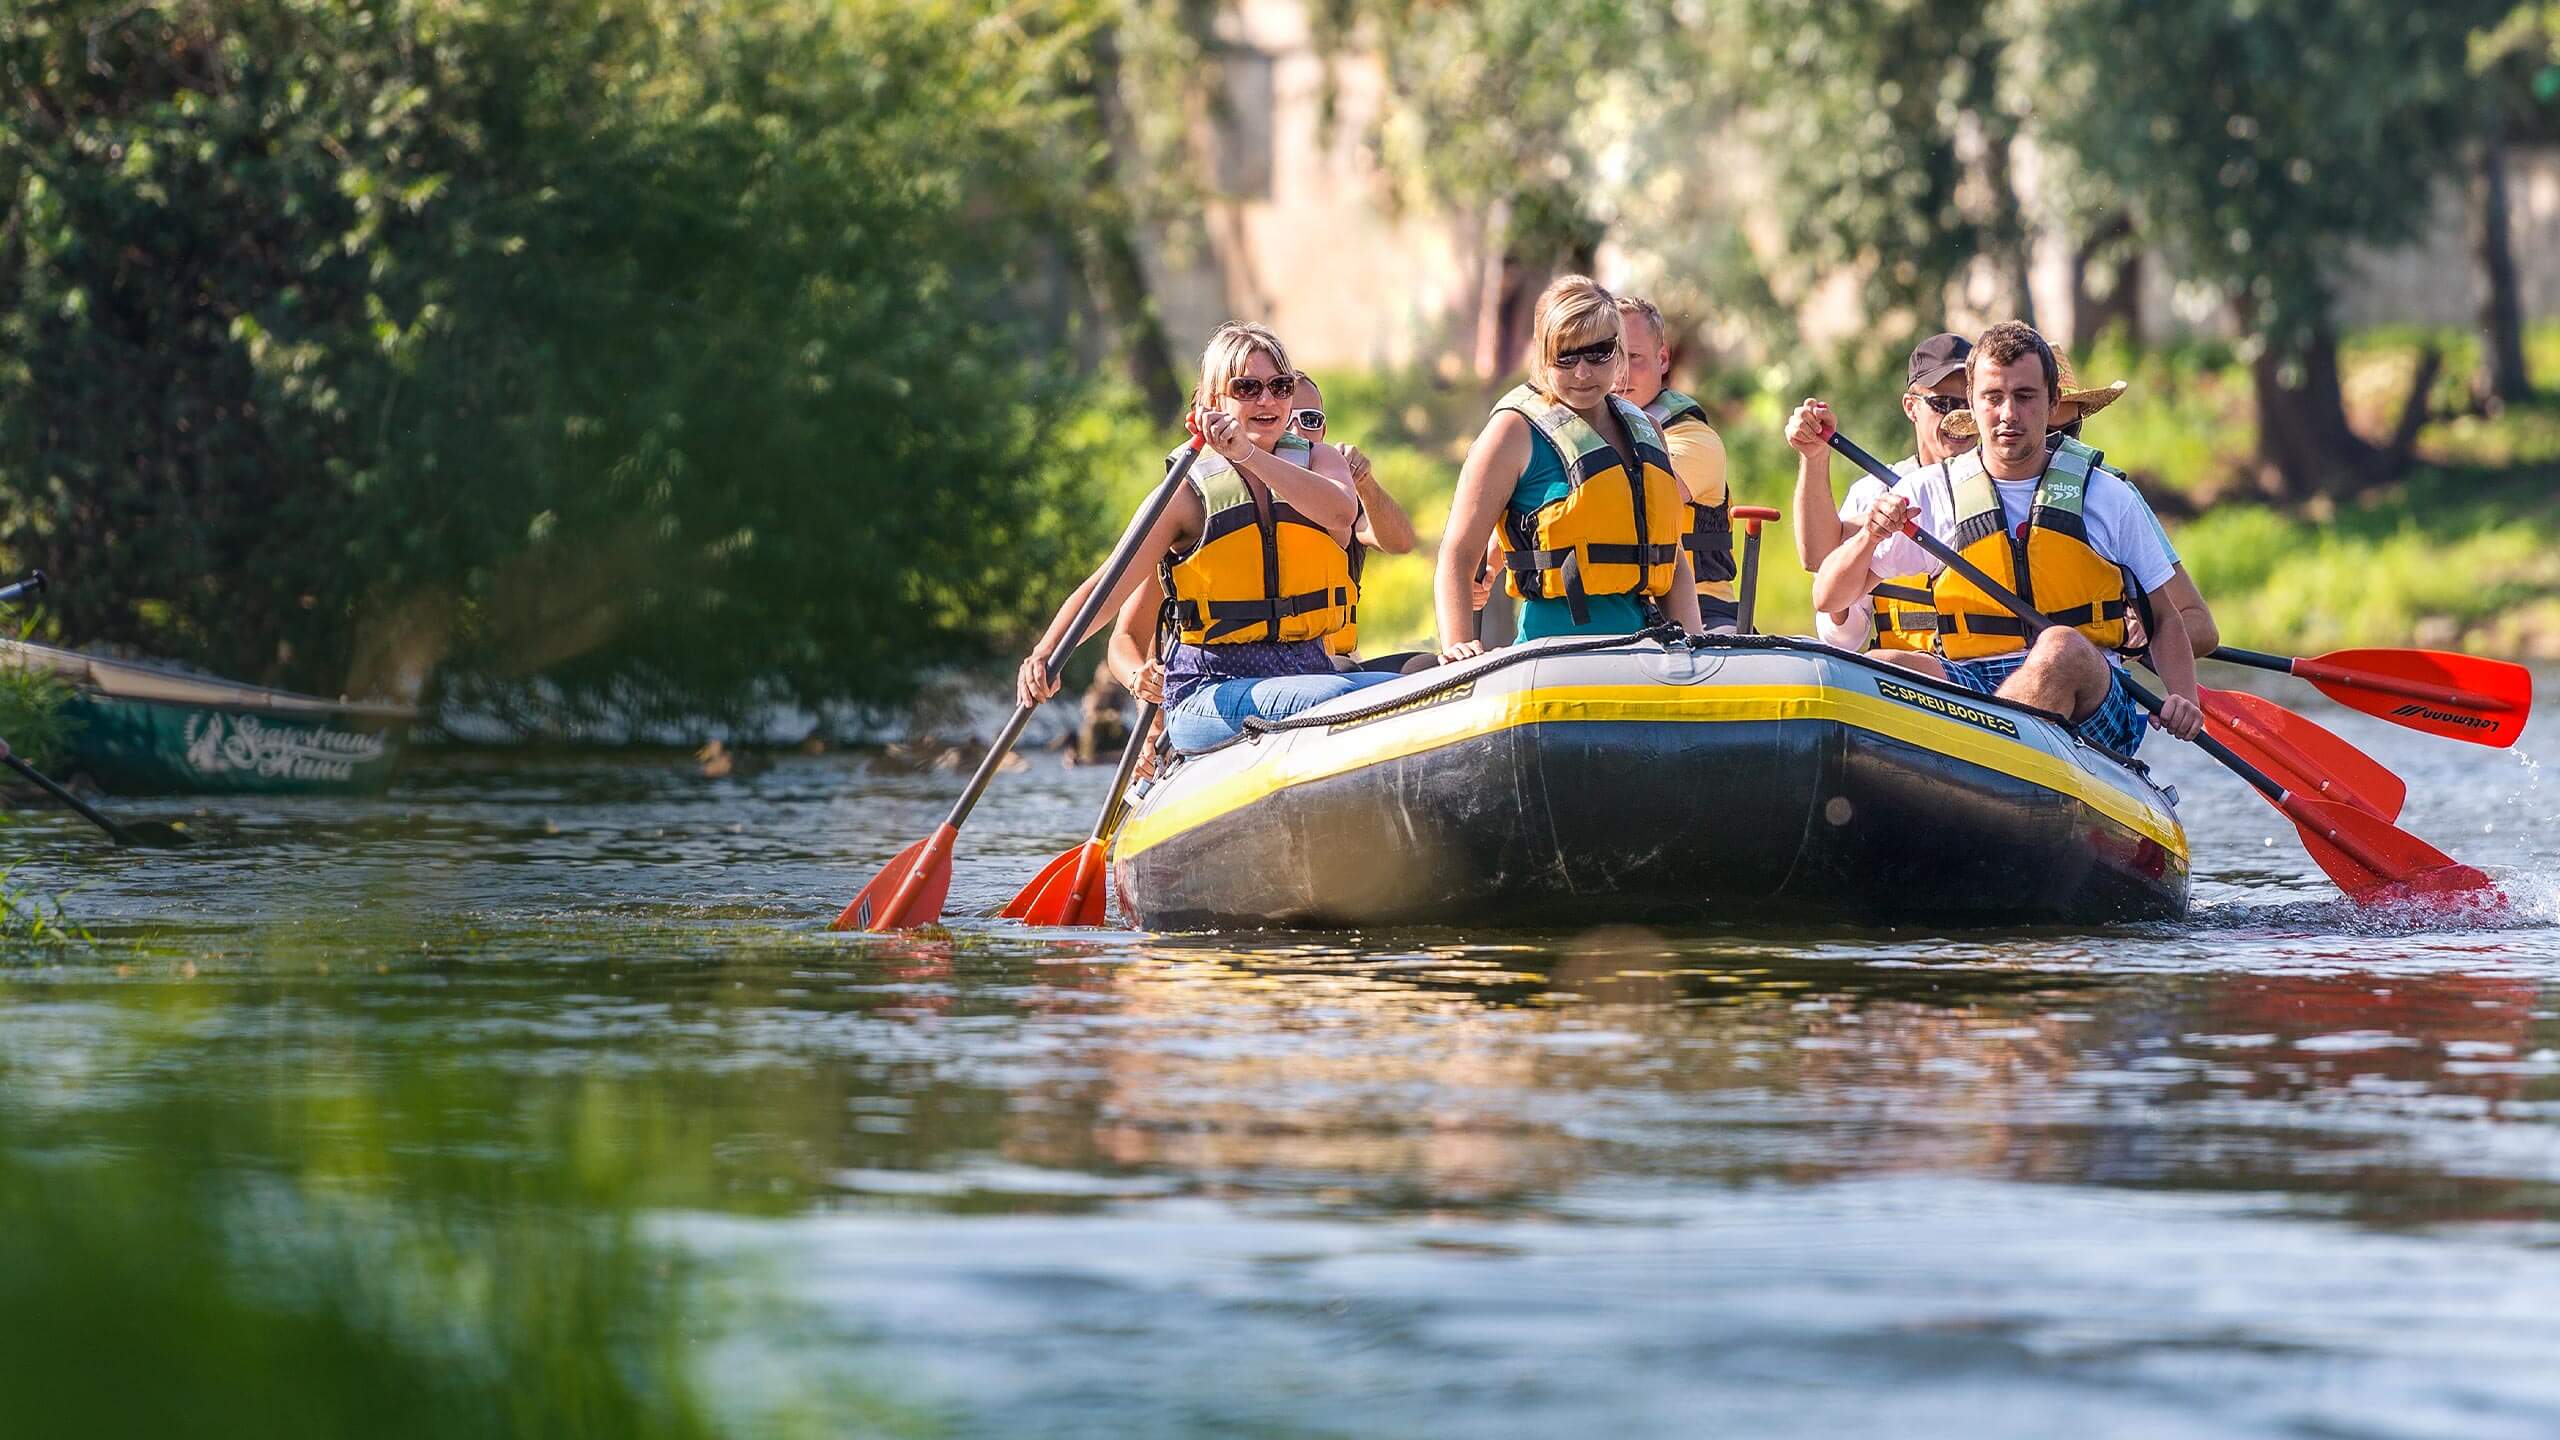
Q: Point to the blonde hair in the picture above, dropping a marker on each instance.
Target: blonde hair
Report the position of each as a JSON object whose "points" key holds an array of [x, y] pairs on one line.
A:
{"points": [[1572, 312], [1652, 313], [1230, 350]]}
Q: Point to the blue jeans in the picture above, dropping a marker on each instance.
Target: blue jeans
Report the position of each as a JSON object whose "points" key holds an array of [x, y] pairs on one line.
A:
{"points": [[1215, 713]]}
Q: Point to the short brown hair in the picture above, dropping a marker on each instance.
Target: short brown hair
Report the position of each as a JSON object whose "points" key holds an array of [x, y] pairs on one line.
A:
{"points": [[2008, 341]]}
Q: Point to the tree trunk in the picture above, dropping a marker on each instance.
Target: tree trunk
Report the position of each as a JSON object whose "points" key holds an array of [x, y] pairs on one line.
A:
{"points": [[2305, 446], [2502, 380], [2009, 235], [1107, 249], [2093, 311]]}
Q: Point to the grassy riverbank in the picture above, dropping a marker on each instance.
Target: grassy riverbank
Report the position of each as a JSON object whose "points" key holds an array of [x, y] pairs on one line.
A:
{"points": [[2463, 552]]}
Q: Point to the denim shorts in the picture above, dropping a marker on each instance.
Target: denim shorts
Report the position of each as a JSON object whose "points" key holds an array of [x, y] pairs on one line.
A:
{"points": [[2117, 724]]}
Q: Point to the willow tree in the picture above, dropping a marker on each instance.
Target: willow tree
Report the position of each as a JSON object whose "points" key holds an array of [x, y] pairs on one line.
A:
{"points": [[2259, 144]]}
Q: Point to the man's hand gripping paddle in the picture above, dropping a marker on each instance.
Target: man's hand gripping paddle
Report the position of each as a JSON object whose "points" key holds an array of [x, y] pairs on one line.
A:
{"points": [[910, 891], [2372, 860]]}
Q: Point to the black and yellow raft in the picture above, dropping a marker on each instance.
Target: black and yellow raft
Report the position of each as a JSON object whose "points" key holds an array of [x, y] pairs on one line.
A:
{"points": [[1577, 781]]}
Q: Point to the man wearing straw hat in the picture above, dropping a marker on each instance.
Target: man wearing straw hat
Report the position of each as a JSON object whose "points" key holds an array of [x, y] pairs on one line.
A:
{"points": [[2048, 521]]}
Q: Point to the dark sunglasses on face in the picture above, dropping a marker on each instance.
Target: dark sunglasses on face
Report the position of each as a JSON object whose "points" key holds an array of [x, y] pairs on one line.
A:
{"points": [[1245, 387], [1307, 420], [1600, 354], [1943, 404]]}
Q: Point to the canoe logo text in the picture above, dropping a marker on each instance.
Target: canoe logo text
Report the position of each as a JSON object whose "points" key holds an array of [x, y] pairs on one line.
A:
{"points": [[225, 744]]}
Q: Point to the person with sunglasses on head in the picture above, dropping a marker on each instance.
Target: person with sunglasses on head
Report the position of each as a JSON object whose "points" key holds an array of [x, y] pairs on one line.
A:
{"points": [[1250, 558], [2049, 522], [1697, 457], [1581, 487], [1382, 525]]}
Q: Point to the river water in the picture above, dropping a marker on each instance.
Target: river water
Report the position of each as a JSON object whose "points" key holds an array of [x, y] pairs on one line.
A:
{"points": [[2276, 1169]]}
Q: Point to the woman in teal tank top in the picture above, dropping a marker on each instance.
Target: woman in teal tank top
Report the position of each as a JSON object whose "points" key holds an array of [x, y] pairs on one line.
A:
{"points": [[1515, 468], [1544, 483]]}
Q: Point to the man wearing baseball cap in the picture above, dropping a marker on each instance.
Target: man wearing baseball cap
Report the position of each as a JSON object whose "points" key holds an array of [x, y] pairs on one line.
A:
{"points": [[1934, 396]]}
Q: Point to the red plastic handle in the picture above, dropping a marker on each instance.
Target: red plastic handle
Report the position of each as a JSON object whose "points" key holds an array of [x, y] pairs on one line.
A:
{"points": [[1752, 516]]}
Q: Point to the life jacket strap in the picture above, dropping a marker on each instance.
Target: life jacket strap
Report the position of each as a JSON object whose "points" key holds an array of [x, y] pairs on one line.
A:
{"points": [[1226, 618], [2012, 626]]}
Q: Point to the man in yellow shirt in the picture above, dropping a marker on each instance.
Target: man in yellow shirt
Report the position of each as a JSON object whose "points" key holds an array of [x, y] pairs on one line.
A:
{"points": [[1697, 457]]}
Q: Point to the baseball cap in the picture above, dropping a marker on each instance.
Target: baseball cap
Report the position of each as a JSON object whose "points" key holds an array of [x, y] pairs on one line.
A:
{"points": [[1938, 357]]}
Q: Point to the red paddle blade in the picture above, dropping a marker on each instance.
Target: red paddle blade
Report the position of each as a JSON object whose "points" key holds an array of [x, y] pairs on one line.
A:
{"points": [[2378, 863], [2460, 697], [1068, 892], [908, 892], [2303, 757], [1063, 865]]}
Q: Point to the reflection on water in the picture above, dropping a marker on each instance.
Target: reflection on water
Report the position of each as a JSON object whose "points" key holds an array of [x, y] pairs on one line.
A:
{"points": [[540, 1078]]}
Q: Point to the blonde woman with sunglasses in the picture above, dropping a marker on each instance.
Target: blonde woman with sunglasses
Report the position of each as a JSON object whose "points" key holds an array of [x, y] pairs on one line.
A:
{"points": [[1250, 558], [1580, 486]]}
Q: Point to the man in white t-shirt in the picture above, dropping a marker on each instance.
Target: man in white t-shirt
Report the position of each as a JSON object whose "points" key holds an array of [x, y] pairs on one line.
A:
{"points": [[2013, 384], [1935, 394]]}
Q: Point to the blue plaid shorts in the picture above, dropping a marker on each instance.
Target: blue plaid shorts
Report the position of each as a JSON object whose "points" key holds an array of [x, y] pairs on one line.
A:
{"points": [[2118, 723]]}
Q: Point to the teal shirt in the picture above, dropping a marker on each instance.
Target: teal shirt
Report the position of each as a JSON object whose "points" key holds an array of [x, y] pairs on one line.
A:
{"points": [[1544, 483]]}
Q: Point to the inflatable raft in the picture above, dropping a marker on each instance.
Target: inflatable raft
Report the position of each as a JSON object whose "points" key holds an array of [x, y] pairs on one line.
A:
{"points": [[1574, 781]]}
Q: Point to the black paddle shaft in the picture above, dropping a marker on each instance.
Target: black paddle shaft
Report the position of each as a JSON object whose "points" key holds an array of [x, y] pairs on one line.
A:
{"points": [[1750, 591], [89, 812], [1109, 819], [1112, 569], [2038, 624], [34, 584], [2254, 659]]}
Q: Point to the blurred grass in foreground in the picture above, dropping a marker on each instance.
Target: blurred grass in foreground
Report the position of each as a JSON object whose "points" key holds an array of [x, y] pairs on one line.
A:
{"points": [[377, 1244]]}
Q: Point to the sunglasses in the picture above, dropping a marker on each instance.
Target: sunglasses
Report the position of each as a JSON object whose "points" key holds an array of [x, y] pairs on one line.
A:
{"points": [[1943, 404], [1307, 420], [1600, 354], [1245, 387]]}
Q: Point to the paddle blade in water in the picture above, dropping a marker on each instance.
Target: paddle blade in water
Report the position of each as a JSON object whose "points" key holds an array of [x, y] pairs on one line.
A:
{"points": [[1059, 872], [908, 892], [2303, 757], [1068, 892], [2460, 697], [2378, 863]]}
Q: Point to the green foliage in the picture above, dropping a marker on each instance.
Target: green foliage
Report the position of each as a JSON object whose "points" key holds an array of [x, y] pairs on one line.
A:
{"points": [[29, 916], [659, 353], [2259, 142], [1887, 128], [31, 714]]}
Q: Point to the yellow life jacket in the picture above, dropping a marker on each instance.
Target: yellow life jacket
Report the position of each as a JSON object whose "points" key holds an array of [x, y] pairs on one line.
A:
{"points": [[2053, 568], [1906, 614], [1254, 576], [1346, 639], [1709, 538], [1617, 529]]}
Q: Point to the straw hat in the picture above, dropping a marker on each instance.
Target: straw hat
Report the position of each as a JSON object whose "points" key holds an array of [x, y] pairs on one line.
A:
{"points": [[2071, 405]]}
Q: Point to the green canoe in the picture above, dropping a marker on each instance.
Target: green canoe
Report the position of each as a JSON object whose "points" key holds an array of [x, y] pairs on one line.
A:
{"points": [[149, 730]]}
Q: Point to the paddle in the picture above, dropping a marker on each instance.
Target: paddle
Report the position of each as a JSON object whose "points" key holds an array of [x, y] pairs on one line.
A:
{"points": [[2460, 697], [2304, 756], [910, 890], [1751, 517], [1069, 889], [150, 834], [2369, 858], [34, 584]]}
